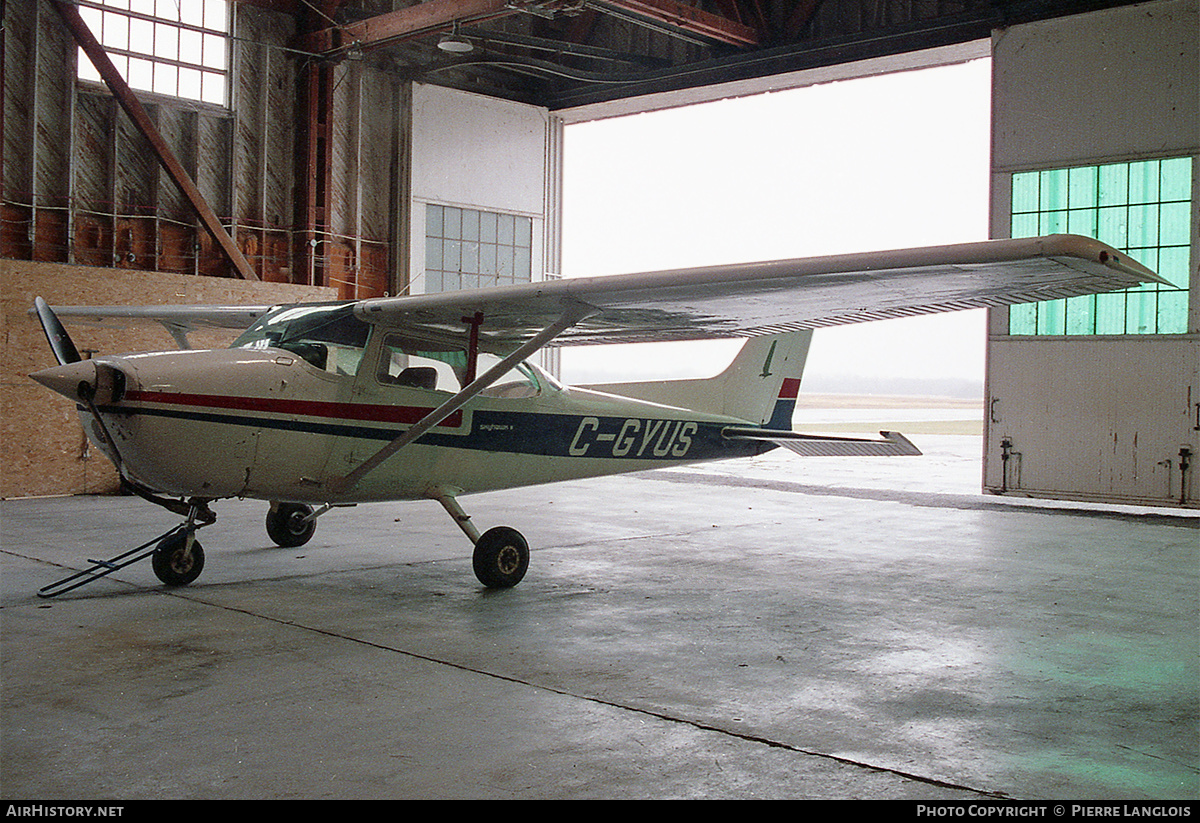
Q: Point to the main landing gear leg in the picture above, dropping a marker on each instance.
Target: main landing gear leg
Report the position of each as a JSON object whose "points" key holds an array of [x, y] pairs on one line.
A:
{"points": [[501, 555], [176, 555]]}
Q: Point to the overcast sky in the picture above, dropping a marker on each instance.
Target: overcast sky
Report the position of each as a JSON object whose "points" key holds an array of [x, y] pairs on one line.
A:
{"points": [[887, 162]]}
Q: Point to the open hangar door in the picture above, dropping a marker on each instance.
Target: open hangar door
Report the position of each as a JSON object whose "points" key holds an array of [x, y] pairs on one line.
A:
{"points": [[1094, 132]]}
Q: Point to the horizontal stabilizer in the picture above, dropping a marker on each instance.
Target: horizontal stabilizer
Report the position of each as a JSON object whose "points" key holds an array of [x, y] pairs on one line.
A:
{"points": [[892, 444]]}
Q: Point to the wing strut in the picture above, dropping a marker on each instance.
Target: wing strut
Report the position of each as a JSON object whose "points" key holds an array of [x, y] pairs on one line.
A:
{"points": [[569, 318]]}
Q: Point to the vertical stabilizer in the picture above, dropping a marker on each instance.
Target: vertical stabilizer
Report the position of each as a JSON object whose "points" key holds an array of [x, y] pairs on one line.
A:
{"points": [[763, 381], [760, 386]]}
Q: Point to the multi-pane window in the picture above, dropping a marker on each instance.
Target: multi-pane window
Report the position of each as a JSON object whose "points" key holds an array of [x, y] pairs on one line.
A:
{"points": [[172, 47], [468, 249], [1143, 208]]}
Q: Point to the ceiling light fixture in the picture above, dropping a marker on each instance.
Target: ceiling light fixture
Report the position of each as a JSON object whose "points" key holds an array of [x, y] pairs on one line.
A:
{"points": [[454, 43]]}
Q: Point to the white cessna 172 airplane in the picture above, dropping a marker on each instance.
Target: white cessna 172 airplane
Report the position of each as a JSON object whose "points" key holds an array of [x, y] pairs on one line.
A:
{"points": [[334, 404]]}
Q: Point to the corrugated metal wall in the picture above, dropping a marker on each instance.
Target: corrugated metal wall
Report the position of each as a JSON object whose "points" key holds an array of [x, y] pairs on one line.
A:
{"points": [[82, 185]]}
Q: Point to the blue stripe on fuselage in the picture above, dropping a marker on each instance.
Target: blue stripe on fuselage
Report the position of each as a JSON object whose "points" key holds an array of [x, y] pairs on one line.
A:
{"points": [[560, 435]]}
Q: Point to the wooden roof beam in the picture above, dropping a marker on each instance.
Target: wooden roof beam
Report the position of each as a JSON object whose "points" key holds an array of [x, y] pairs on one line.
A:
{"points": [[692, 20], [403, 23]]}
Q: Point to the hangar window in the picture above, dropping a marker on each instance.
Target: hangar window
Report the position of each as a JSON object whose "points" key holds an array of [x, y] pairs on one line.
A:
{"points": [[468, 249], [179, 49], [1143, 208]]}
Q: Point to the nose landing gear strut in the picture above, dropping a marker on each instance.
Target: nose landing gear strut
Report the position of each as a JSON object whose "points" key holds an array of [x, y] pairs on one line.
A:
{"points": [[176, 556]]}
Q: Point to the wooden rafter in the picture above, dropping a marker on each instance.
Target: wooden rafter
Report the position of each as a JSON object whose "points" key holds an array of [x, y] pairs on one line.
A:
{"points": [[692, 20], [422, 18], [437, 15]]}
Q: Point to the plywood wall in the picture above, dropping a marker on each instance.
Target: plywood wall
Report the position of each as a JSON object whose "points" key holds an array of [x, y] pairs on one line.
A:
{"points": [[42, 447]]}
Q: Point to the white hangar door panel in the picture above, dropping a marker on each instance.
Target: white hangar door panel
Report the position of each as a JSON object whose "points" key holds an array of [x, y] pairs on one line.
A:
{"points": [[1113, 420], [1094, 132]]}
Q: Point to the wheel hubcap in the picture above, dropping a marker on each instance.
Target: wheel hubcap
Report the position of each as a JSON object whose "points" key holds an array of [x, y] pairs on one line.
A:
{"points": [[508, 560], [181, 561]]}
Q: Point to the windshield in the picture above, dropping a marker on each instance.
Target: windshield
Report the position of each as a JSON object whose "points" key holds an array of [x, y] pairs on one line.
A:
{"points": [[328, 337]]}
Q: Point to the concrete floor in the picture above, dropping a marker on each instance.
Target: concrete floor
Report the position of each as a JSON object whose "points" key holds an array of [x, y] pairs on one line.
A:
{"points": [[780, 628]]}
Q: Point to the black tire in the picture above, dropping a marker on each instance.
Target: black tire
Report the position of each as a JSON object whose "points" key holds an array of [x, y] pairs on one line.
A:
{"points": [[173, 562], [287, 527], [501, 558]]}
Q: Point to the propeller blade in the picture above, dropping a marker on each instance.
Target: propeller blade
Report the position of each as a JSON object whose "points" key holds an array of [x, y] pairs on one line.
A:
{"points": [[60, 342]]}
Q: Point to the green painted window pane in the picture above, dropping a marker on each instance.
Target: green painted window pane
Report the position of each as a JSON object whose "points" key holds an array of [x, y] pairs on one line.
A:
{"points": [[1083, 184], [1143, 181], [1025, 193], [1173, 265], [1052, 317], [1175, 223], [1177, 179], [1147, 257], [1025, 225], [1081, 315], [1114, 184], [1143, 226], [1112, 226], [1141, 312], [1082, 221], [1110, 313], [1054, 190], [1022, 319], [1172, 312], [1053, 222]]}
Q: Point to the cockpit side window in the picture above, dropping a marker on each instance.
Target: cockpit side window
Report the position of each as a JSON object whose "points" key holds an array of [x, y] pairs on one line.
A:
{"points": [[412, 364]]}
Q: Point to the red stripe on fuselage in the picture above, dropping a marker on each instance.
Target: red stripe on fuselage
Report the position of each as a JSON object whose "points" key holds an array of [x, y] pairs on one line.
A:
{"points": [[309, 408]]}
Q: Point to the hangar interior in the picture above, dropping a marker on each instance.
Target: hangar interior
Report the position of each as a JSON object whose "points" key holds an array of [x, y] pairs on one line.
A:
{"points": [[346, 149], [341, 147]]}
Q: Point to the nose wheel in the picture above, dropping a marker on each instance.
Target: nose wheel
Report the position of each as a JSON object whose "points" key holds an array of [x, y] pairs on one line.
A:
{"points": [[178, 559]]}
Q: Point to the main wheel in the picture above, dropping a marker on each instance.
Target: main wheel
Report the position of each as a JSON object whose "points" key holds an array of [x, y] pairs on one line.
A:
{"points": [[501, 557], [175, 562], [287, 527]]}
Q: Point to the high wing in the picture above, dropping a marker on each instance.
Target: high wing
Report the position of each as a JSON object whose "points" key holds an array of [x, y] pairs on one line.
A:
{"points": [[745, 300], [177, 320], [736, 300]]}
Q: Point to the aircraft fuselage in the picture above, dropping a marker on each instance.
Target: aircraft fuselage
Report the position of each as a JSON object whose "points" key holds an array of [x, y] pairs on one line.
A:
{"points": [[265, 423]]}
